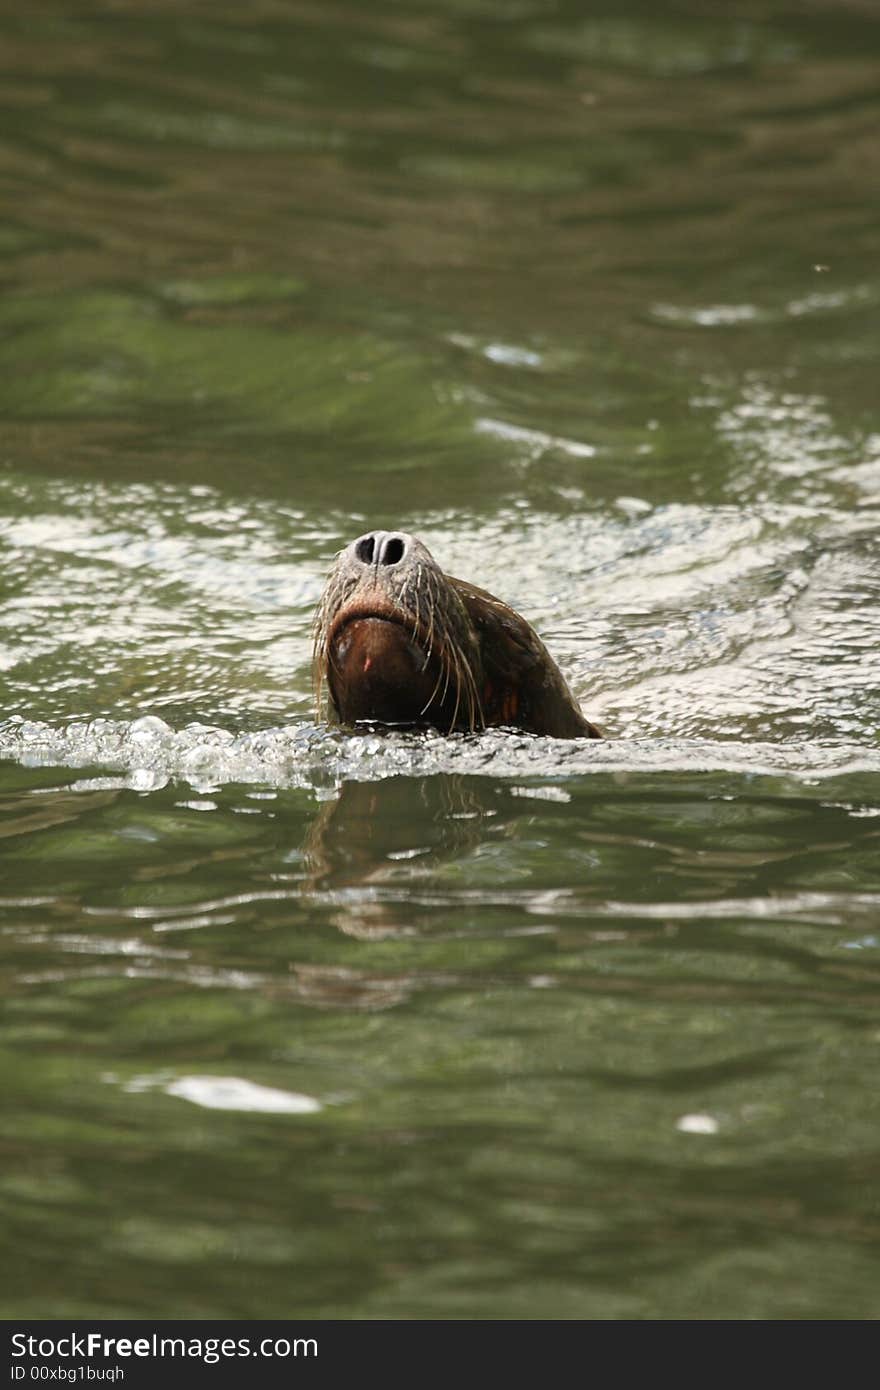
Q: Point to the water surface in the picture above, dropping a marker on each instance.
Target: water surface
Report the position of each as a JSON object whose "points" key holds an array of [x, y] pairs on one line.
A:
{"points": [[299, 1022]]}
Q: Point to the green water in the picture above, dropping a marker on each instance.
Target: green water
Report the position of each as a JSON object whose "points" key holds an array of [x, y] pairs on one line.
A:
{"points": [[307, 1023]]}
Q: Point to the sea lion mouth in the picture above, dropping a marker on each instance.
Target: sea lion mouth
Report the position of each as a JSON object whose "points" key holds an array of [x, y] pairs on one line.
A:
{"points": [[376, 613], [378, 669]]}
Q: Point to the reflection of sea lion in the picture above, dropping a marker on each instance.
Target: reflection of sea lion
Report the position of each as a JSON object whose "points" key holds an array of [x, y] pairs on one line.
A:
{"points": [[397, 641], [371, 847]]}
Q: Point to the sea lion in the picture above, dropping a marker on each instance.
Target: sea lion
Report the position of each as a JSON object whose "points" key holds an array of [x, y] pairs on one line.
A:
{"points": [[397, 641]]}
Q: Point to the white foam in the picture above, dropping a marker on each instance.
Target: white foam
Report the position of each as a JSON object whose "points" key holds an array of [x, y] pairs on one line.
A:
{"points": [[150, 753]]}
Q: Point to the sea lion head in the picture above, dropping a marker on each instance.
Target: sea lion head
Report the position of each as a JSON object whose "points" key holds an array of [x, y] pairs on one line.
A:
{"points": [[394, 643]]}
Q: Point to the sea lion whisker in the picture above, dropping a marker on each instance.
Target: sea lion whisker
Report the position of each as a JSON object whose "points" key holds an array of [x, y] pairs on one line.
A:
{"points": [[448, 661], [444, 671], [474, 703], [430, 700], [319, 658], [457, 694], [418, 627], [464, 682], [431, 612]]}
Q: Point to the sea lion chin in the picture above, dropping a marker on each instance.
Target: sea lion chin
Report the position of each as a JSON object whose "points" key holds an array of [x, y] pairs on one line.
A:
{"points": [[397, 641]]}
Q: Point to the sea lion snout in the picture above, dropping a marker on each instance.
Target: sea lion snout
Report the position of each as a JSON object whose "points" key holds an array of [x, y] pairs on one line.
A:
{"points": [[379, 644]]}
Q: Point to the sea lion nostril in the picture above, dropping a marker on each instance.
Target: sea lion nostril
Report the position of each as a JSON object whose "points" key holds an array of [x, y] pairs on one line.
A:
{"points": [[392, 551], [365, 548]]}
